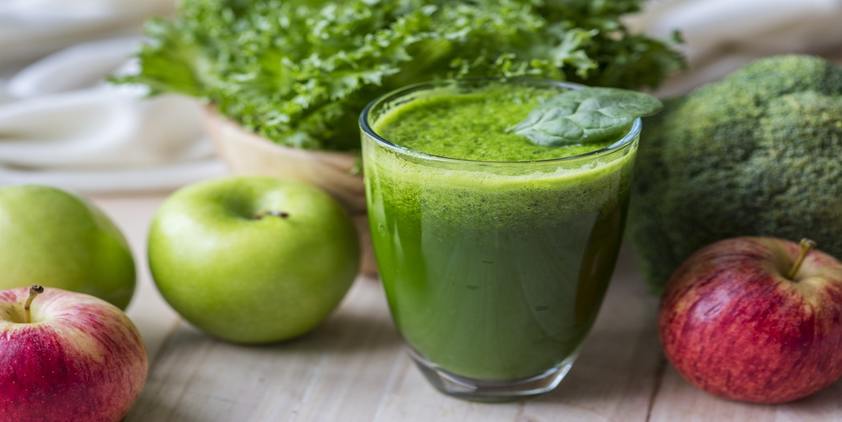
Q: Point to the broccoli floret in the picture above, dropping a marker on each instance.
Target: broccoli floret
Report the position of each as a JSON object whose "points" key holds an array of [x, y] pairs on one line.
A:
{"points": [[758, 153]]}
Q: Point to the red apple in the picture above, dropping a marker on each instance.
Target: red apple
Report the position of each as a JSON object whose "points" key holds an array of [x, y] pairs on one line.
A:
{"points": [[66, 356], [755, 319]]}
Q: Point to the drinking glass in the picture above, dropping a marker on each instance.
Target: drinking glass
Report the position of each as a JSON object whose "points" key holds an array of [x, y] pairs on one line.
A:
{"points": [[494, 270]]}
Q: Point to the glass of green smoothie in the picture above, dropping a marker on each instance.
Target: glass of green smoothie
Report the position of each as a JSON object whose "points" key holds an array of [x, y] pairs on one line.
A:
{"points": [[494, 252]]}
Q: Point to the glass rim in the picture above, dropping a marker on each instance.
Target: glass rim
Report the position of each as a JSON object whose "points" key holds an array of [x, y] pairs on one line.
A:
{"points": [[620, 143]]}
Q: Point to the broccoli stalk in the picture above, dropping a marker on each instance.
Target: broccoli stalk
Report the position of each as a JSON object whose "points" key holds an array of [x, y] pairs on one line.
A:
{"points": [[758, 153]]}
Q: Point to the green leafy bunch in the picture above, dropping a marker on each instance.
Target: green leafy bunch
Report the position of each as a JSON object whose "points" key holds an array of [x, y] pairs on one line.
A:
{"points": [[299, 72]]}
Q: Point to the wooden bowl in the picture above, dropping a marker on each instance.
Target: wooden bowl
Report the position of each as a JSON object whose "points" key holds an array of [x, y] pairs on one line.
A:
{"points": [[249, 154]]}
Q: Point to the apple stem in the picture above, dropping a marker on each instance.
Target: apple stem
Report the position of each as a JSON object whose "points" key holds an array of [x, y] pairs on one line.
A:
{"points": [[261, 214], [806, 246], [34, 290]]}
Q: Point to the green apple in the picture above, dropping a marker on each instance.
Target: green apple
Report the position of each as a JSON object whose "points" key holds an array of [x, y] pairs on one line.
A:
{"points": [[253, 259], [54, 238]]}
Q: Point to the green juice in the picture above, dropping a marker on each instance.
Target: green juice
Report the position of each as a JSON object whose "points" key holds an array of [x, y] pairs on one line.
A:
{"points": [[495, 258]]}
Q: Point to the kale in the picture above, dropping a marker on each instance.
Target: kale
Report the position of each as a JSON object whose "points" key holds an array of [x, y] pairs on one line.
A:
{"points": [[299, 72]]}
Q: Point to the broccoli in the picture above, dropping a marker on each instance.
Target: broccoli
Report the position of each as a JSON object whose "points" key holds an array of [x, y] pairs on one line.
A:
{"points": [[758, 153]]}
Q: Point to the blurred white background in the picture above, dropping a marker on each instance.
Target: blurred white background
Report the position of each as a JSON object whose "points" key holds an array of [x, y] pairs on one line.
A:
{"points": [[62, 124]]}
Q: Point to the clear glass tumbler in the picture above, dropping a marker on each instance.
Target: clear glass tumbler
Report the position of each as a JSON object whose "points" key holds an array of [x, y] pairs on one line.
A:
{"points": [[494, 271]]}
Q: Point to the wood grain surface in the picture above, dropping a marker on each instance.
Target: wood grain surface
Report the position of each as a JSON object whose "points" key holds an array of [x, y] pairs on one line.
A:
{"points": [[354, 367]]}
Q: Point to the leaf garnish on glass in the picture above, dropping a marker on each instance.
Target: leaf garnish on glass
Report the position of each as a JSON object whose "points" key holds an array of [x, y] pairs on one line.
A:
{"points": [[586, 115]]}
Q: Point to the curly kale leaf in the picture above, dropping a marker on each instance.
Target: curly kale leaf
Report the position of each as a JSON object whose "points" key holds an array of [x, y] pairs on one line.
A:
{"points": [[299, 72]]}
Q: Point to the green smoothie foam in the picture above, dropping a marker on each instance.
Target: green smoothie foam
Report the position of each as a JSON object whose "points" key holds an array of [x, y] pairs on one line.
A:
{"points": [[493, 271], [474, 125]]}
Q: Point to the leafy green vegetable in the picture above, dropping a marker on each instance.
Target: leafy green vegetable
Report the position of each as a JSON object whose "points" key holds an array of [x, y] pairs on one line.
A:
{"points": [[755, 154], [585, 115], [299, 72]]}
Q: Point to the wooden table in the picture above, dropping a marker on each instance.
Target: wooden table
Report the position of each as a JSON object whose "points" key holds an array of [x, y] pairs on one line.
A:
{"points": [[353, 368]]}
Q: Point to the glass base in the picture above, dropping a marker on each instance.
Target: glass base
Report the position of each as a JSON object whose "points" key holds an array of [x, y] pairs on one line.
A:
{"points": [[492, 391]]}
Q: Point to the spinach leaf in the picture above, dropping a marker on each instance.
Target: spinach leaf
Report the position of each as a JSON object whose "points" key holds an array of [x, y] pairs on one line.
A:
{"points": [[585, 115]]}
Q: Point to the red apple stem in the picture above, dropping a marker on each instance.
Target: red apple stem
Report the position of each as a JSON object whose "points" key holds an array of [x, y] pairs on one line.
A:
{"points": [[34, 290], [265, 213], [806, 246]]}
